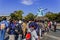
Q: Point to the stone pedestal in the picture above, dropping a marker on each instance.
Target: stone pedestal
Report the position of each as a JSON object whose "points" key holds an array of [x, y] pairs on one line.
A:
{"points": [[41, 18]]}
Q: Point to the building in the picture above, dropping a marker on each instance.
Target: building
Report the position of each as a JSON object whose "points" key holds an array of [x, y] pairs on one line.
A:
{"points": [[8, 17]]}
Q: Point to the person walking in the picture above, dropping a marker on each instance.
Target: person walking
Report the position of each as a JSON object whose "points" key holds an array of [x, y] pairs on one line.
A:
{"points": [[54, 24], [24, 28], [3, 27], [11, 29], [34, 35], [36, 26], [49, 25], [18, 31]]}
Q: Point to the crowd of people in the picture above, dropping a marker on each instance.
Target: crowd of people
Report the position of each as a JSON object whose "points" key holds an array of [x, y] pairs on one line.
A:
{"points": [[25, 30]]}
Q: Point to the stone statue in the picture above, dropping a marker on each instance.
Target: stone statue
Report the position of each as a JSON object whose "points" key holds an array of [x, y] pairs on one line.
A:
{"points": [[40, 12]]}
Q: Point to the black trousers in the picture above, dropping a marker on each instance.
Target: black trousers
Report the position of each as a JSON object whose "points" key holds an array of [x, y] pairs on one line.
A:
{"points": [[16, 37], [54, 28]]}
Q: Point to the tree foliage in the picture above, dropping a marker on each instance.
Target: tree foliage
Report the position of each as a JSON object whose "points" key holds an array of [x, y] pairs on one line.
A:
{"points": [[50, 15], [17, 15], [58, 17], [30, 16], [53, 16]]}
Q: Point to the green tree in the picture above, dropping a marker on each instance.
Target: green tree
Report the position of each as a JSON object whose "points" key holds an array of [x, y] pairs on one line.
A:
{"points": [[17, 15], [58, 17], [51, 16], [30, 16], [12, 16]]}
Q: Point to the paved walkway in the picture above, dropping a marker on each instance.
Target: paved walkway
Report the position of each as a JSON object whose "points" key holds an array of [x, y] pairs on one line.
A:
{"points": [[52, 35]]}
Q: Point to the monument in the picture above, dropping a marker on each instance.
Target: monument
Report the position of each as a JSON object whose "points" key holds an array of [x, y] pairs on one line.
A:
{"points": [[40, 14]]}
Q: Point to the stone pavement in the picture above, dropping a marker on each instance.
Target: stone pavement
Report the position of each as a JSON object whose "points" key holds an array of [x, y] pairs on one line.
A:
{"points": [[52, 35]]}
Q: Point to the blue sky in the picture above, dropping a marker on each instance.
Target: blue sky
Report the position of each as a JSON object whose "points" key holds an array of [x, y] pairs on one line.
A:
{"points": [[9, 6]]}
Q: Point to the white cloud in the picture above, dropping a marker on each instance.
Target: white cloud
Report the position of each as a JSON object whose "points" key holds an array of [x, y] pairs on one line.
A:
{"points": [[27, 2]]}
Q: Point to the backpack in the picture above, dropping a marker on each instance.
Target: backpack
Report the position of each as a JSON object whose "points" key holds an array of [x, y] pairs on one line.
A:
{"points": [[28, 36], [2, 26], [19, 29], [45, 25], [49, 24], [11, 28]]}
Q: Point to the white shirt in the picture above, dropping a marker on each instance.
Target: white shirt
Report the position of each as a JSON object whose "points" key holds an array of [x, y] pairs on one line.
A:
{"points": [[20, 21], [34, 35]]}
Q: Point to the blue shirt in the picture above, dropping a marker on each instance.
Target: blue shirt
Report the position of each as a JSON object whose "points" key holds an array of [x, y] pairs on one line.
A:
{"points": [[5, 22]]}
